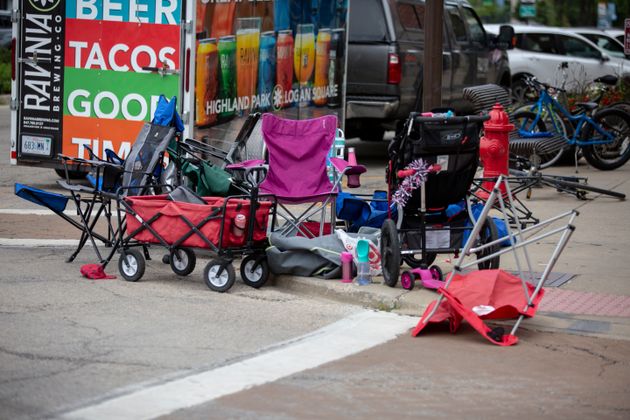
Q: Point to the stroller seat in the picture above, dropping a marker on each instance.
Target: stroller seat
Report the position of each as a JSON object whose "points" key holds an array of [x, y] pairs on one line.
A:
{"points": [[448, 150]]}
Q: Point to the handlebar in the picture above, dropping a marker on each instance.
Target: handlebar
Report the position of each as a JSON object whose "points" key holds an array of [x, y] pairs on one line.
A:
{"points": [[452, 120], [537, 84], [404, 173]]}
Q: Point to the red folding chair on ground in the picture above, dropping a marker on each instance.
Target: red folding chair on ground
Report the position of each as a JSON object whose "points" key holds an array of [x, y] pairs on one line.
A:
{"points": [[494, 294]]}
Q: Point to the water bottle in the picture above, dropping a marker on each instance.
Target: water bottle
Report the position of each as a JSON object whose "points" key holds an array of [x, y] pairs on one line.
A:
{"points": [[346, 267], [336, 151], [363, 265], [238, 228], [363, 273], [352, 157]]}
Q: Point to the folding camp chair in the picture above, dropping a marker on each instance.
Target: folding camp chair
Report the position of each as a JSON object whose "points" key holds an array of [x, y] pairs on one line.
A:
{"points": [[476, 296], [247, 145], [204, 166], [139, 172], [297, 174]]}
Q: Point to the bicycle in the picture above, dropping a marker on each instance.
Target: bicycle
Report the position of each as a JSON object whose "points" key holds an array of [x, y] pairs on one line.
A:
{"points": [[602, 135], [528, 177]]}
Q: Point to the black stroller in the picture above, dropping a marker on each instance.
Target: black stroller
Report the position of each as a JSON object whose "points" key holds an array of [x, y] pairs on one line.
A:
{"points": [[431, 169]]}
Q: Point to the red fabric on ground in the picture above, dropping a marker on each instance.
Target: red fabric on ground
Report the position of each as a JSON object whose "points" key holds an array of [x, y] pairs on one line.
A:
{"points": [[95, 272], [491, 288]]}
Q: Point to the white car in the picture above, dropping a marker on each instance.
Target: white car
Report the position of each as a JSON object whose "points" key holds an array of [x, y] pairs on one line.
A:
{"points": [[618, 34], [539, 51], [603, 40]]}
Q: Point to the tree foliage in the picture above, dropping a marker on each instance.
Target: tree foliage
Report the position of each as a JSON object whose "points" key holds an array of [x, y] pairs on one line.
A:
{"points": [[5, 70], [553, 12]]}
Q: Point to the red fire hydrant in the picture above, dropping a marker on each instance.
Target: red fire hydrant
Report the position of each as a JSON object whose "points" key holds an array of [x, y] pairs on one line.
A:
{"points": [[494, 149]]}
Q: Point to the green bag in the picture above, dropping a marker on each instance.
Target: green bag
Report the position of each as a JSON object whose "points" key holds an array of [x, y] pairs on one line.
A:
{"points": [[214, 180], [207, 180]]}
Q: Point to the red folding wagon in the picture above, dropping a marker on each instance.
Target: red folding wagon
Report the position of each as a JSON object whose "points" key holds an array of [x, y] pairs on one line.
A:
{"points": [[227, 227]]}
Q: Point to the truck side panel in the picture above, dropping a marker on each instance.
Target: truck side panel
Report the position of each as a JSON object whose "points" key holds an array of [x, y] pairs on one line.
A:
{"points": [[90, 73]]}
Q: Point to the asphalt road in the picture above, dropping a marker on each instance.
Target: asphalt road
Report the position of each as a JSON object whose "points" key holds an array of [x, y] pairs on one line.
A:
{"points": [[75, 348]]}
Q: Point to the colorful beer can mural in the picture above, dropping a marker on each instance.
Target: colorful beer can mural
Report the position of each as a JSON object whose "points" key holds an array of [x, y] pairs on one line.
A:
{"points": [[281, 56]]}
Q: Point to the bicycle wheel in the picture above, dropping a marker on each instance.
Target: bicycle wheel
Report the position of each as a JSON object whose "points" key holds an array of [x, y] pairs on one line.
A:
{"points": [[623, 105], [616, 153], [524, 120], [576, 186]]}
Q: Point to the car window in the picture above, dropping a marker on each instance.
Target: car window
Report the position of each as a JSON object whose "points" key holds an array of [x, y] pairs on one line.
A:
{"points": [[477, 34], [574, 47], [420, 13], [408, 18], [604, 42], [458, 25], [367, 21], [5, 21], [543, 43]]}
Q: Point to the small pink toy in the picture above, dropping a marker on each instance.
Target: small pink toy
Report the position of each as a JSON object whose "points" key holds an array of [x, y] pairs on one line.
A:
{"points": [[431, 278]]}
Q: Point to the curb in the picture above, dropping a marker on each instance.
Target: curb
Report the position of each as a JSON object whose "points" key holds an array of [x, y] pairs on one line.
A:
{"points": [[592, 326], [377, 296]]}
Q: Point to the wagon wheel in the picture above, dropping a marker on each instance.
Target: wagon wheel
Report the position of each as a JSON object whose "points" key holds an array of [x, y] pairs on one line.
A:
{"points": [[219, 275], [131, 264], [254, 274], [183, 261], [390, 253]]}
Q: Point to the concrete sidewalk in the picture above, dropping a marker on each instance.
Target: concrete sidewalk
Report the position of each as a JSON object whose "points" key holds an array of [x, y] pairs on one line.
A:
{"points": [[595, 302]]}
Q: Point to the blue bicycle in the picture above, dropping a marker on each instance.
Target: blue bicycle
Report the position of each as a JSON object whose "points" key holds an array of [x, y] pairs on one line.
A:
{"points": [[602, 134]]}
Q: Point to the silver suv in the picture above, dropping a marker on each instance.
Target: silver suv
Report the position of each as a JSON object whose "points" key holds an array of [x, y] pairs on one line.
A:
{"points": [[385, 61]]}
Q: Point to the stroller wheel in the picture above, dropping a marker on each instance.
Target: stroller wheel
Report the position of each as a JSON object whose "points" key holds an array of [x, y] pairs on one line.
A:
{"points": [[254, 275], [219, 275], [414, 262], [183, 261], [488, 234], [406, 280], [390, 253], [131, 264]]}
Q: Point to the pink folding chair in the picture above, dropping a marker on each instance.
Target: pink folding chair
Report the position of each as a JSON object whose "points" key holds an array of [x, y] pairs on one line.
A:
{"points": [[297, 151]]}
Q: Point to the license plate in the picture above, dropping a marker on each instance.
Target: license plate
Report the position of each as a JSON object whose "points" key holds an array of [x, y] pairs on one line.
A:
{"points": [[40, 146]]}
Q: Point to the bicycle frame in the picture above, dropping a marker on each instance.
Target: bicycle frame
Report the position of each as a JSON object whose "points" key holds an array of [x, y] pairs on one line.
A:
{"points": [[547, 103]]}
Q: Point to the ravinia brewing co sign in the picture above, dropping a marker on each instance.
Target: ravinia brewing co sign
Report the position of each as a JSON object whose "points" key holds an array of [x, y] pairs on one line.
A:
{"points": [[42, 71]]}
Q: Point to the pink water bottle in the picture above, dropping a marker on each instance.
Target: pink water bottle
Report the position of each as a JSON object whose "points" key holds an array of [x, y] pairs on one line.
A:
{"points": [[346, 267], [238, 228], [352, 157]]}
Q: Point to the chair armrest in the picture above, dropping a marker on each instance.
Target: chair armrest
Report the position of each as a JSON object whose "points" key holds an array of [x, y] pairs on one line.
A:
{"points": [[343, 167], [246, 164], [69, 160], [353, 172], [253, 171]]}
